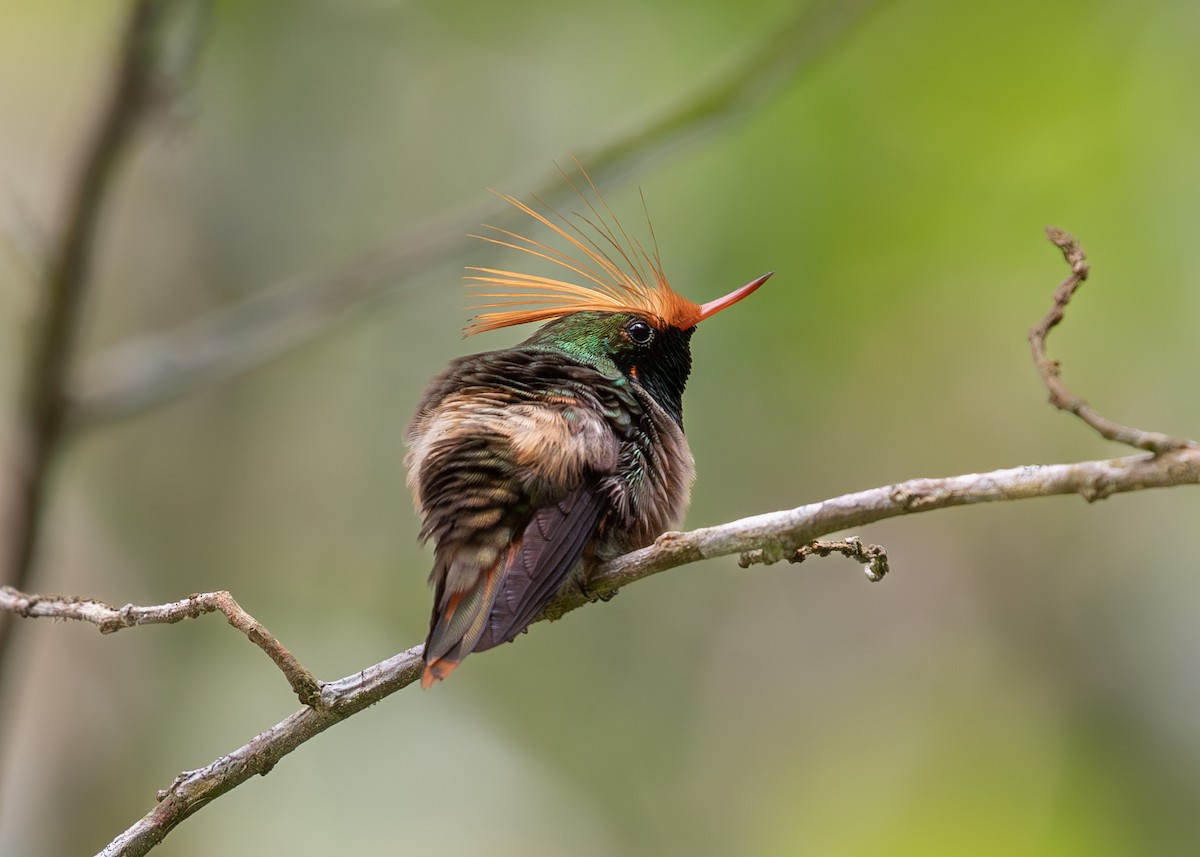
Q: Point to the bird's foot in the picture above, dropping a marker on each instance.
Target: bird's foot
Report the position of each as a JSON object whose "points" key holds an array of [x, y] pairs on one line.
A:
{"points": [[593, 595]]}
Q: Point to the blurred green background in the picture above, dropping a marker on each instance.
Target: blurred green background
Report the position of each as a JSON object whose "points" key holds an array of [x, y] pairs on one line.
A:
{"points": [[1026, 682]]}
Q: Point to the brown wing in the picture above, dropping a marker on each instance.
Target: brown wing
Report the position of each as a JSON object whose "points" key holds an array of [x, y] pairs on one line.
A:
{"points": [[549, 548], [510, 594]]}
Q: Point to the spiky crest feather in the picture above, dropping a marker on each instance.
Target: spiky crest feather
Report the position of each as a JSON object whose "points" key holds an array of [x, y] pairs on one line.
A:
{"points": [[623, 278]]}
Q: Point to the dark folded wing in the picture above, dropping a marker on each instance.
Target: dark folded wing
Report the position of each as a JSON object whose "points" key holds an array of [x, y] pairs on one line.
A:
{"points": [[544, 555]]}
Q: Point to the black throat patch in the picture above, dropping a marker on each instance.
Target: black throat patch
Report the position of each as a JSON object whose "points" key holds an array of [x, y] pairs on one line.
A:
{"points": [[664, 368]]}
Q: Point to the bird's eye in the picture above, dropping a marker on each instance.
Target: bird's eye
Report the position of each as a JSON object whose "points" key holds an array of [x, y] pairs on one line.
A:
{"points": [[640, 332]]}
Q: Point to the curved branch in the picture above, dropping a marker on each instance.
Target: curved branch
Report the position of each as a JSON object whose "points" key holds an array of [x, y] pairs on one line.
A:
{"points": [[155, 368], [1050, 370]]}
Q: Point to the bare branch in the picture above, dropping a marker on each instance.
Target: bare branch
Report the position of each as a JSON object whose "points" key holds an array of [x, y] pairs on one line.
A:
{"points": [[137, 86], [779, 533], [783, 532], [111, 619], [192, 790], [159, 367], [776, 532], [1050, 370]]}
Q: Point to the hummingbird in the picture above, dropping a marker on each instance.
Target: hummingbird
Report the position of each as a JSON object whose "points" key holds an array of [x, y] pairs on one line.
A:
{"points": [[532, 465]]}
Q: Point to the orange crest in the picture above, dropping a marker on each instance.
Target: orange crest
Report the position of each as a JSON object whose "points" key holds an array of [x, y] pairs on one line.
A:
{"points": [[616, 272]]}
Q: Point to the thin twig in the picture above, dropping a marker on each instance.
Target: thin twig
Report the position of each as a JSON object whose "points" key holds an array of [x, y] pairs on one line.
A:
{"points": [[43, 404], [111, 619], [155, 368], [1050, 370], [874, 557]]}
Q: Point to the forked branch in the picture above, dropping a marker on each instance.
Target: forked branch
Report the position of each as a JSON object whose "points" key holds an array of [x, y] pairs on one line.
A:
{"points": [[111, 619]]}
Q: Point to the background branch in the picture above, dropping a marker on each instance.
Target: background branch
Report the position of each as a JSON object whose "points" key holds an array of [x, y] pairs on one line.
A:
{"points": [[42, 410], [158, 367]]}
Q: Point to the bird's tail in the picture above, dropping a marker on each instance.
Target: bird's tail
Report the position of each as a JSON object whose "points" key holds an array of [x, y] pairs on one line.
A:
{"points": [[459, 620]]}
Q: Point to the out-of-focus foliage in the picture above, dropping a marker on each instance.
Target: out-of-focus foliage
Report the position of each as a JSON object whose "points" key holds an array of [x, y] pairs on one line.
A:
{"points": [[1025, 682]]}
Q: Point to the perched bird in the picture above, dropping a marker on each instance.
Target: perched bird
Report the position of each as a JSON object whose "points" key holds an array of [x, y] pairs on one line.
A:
{"points": [[533, 464]]}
